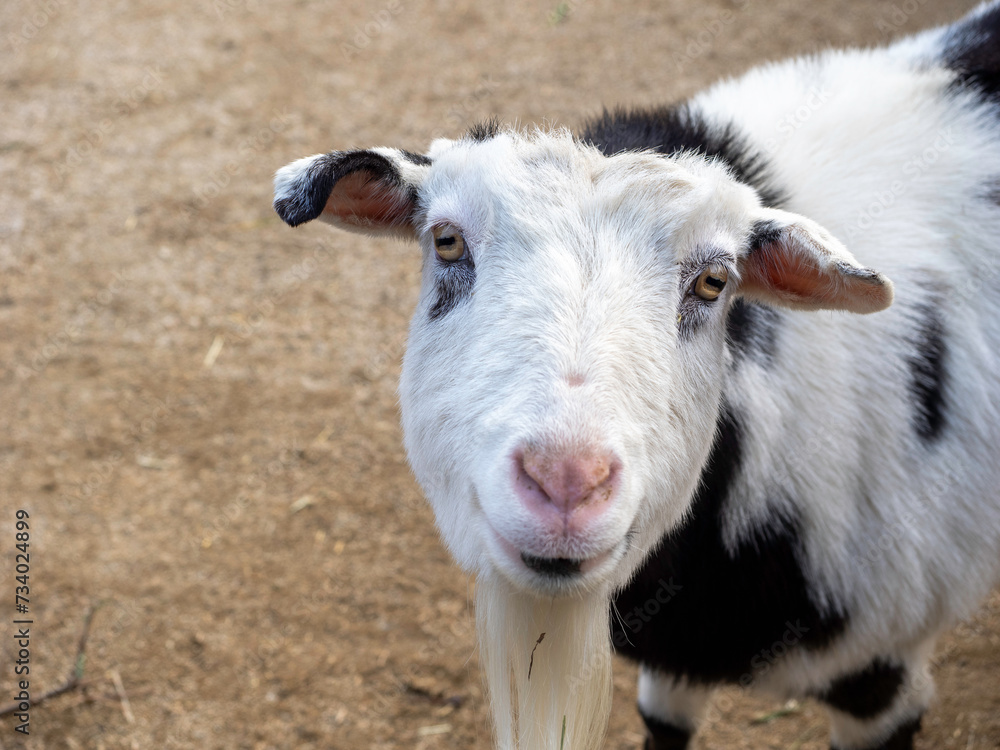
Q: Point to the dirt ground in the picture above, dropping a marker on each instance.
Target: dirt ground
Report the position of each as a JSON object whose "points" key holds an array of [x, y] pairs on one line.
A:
{"points": [[197, 404]]}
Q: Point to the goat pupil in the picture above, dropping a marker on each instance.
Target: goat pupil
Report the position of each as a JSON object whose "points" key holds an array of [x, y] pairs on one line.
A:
{"points": [[445, 241], [714, 282]]}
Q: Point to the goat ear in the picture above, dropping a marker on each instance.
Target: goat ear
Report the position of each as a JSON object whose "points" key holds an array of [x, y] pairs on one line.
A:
{"points": [[372, 191], [794, 262]]}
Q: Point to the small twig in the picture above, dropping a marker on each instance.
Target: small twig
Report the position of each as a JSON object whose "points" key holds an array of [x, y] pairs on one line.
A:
{"points": [[792, 707], [213, 351], [531, 661], [75, 679], [440, 699], [116, 678]]}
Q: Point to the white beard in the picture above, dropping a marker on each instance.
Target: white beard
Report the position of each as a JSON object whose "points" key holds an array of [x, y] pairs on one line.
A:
{"points": [[570, 682]]}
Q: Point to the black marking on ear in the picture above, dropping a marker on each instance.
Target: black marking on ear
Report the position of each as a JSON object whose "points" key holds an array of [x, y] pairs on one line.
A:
{"points": [[736, 612], [455, 282], [310, 192], [307, 196], [663, 736], [867, 693], [900, 739], [671, 130], [972, 50], [484, 131], [419, 159], [928, 372], [557, 567], [764, 232], [868, 274], [752, 332]]}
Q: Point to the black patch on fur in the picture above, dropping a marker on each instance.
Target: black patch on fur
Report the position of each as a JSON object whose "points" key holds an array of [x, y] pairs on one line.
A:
{"points": [[928, 372], [992, 192], [663, 736], [557, 567], [671, 130], [867, 693], [735, 614], [454, 283], [901, 739], [315, 188], [752, 331], [972, 50], [484, 131]]}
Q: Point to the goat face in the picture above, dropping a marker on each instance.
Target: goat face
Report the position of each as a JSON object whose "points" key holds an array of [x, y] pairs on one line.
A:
{"points": [[564, 371]]}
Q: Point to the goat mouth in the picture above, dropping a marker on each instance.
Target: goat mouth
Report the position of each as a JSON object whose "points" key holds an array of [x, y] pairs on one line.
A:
{"points": [[554, 567], [548, 571], [564, 568]]}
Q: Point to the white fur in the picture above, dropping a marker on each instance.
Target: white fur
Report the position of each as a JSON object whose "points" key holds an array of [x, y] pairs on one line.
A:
{"points": [[672, 700], [547, 666]]}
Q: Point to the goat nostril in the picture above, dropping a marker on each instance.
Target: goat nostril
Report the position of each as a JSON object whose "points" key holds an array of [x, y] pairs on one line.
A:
{"points": [[525, 479]]}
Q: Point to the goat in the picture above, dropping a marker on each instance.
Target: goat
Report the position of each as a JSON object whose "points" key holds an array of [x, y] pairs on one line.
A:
{"points": [[635, 402]]}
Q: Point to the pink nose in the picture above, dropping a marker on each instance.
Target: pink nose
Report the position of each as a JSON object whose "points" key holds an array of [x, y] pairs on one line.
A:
{"points": [[566, 481]]}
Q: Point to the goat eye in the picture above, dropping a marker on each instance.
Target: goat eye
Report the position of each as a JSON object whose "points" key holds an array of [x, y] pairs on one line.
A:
{"points": [[449, 243], [711, 282]]}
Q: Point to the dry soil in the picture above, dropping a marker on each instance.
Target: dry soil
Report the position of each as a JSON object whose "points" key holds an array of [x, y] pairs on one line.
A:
{"points": [[197, 404]]}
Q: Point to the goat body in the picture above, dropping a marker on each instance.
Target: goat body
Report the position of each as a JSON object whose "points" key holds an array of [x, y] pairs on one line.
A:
{"points": [[633, 379]]}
